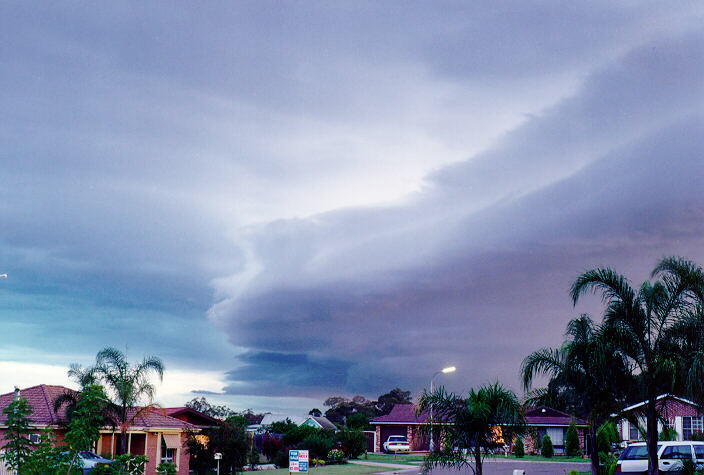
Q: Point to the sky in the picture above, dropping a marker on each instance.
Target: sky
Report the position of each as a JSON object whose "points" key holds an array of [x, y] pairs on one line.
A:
{"points": [[291, 200]]}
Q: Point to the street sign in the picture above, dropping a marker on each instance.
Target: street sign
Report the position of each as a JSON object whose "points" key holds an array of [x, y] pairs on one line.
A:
{"points": [[298, 461], [218, 456]]}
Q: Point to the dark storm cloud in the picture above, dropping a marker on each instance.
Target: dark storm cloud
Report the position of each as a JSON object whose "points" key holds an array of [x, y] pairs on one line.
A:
{"points": [[475, 270]]}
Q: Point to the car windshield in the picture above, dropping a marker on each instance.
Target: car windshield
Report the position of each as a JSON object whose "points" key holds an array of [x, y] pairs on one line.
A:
{"points": [[699, 450], [89, 455]]}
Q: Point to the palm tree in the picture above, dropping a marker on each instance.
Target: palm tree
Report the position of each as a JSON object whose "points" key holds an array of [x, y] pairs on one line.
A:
{"points": [[645, 323], [587, 372], [129, 386], [472, 423]]}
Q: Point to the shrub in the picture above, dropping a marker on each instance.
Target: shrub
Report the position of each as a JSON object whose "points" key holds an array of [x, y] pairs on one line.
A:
{"points": [[296, 434], [336, 455], [572, 441], [271, 445], [281, 459], [318, 444], [354, 442], [167, 468], [698, 436], [573, 472], [130, 464], [317, 462], [518, 449], [547, 449]]}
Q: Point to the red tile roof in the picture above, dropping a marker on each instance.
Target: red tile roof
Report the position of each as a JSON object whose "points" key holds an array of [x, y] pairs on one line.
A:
{"points": [[403, 414], [543, 415], [41, 398]]}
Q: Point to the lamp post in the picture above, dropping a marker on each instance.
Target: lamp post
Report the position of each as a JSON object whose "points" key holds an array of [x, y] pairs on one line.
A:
{"points": [[449, 369]]}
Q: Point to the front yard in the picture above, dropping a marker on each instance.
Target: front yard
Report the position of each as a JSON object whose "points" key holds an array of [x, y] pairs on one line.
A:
{"points": [[346, 469]]}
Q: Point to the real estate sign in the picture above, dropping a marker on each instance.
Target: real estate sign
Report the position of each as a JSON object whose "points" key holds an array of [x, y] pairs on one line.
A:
{"points": [[298, 461]]}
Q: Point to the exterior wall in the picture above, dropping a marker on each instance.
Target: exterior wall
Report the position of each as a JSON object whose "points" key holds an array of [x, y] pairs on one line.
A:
{"points": [[153, 452], [183, 457], [377, 437]]}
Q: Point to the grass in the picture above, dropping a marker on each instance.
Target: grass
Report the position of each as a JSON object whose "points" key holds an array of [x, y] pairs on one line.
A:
{"points": [[346, 469], [538, 458], [401, 459]]}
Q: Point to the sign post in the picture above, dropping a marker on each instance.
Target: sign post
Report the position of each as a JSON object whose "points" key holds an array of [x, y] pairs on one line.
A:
{"points": [[218, 457], [297, 461]]}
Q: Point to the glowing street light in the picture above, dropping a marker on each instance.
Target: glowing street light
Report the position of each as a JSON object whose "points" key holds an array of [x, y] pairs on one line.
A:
{"points": [[449, 369]]}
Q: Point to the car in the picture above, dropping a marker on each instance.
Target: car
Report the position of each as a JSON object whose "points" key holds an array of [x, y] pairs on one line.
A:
{"points": [[87, 460], [671, 457], [397, 443]]}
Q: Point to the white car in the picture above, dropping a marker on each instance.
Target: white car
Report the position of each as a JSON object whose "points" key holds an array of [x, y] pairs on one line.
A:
{"points": [[671, 456], [397, 443]]}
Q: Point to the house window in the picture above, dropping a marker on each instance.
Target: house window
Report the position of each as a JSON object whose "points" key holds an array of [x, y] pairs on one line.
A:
{"points": [[557, 435], [633, 432], [34, 438], [691, 425], [167, 455]]}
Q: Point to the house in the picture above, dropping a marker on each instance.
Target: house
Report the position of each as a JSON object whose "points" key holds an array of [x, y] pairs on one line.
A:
{"points": [[541, 420], [402, 420], [153, 433], [319, 422], [680, 414]]}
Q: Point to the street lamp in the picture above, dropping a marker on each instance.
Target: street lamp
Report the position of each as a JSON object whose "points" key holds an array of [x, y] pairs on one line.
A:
{"points": [[449, 369]]}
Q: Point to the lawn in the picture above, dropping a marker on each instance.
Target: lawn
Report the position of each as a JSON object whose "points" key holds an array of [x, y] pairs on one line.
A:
{"points": [[346, 469], [402, 459], [538, 458]]}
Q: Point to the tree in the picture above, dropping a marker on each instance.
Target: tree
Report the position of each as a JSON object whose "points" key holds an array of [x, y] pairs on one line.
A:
{"points": [[518, 449], [202, 405], [315, 412], [589, 372], [18, 446], [387, 401], [473, 423], [358, 421], [546, 449], [572, 440], [646, 324], [131, 390], [87, 419]]}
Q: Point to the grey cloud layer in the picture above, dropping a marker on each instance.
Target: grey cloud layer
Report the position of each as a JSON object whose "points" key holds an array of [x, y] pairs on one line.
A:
{"points": [[475, 270]]}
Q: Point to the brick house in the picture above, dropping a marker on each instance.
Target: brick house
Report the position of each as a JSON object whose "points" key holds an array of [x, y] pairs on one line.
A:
{"points": [[154, 433], [541, 420], [402, 420], [680, 414]]}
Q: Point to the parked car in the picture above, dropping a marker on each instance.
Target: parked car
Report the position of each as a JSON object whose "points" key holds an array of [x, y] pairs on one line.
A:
{"points": [[671, 457], [88, 460], [397, 443]]}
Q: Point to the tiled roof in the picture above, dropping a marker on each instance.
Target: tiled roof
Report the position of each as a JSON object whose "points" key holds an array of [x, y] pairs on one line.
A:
{"points": [[189, 411], [403, 414], [155, 418], [543, 415], [41, 398], [324, 422]]}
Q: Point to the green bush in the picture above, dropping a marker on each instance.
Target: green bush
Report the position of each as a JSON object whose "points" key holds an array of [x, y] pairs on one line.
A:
{"points": [[129, 464], [547, 450], [318, 444], [167, 468], [354, 442], [335, 455], [518, 448], [698, 436], [295, 434], [572, 448], [281, 459], [573, 472]]}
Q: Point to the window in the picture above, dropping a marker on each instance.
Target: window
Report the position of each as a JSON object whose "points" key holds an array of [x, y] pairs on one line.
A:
{"points": [[690, 425], [635, 452], [557, 435], [167, 455], [34, 438], [633, 432], [677, 452]]}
